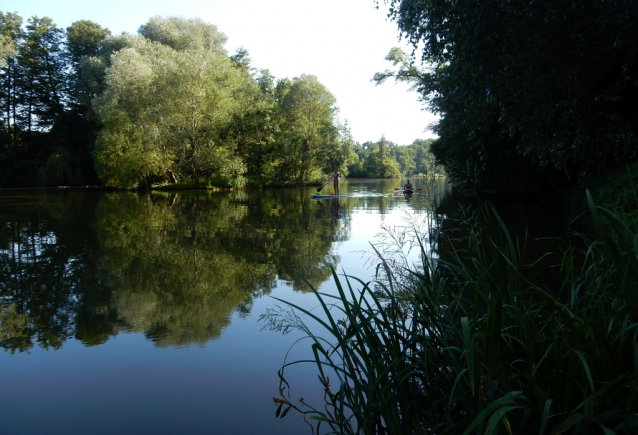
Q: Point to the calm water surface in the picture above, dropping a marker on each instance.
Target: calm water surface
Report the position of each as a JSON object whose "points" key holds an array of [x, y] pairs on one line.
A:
{"points": [[138, 313]]}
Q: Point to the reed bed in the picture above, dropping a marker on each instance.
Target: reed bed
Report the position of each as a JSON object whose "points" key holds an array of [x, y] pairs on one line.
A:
{"points": [[473, 345]]}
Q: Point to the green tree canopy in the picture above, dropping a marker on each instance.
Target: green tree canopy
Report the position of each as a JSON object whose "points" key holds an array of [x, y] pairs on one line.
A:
{"points": [[163, 110], [521, 84], [184, 34], [166, 105], [10, 33], [379, 163], [11, 36], [308, 121], [42, 82], [84, 39]]}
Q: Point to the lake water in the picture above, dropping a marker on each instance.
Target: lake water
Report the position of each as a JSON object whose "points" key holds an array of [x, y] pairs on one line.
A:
{"points": [[135, 313]]}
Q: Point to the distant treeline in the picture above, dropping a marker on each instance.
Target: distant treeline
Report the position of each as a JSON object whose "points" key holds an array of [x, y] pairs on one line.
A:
{"points": [[384, 159], [167, 106]]}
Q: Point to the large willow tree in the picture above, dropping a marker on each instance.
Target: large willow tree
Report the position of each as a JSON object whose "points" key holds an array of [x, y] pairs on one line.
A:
{"points": [[165, 105], [167, 98], [311, 139]]}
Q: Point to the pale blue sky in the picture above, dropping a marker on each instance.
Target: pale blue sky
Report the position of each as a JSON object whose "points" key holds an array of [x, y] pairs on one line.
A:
{"points": [[342, 42]]}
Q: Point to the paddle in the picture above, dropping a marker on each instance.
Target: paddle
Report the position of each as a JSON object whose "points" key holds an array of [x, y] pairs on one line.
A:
{"points": [[319, 189]]}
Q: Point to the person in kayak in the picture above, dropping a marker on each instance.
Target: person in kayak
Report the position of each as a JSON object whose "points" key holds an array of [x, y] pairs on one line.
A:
{"points": [[335, 181], [408, 186]]}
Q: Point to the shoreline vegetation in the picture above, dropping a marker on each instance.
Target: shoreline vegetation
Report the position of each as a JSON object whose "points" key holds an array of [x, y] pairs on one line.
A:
{"points": [[478, 339], [204, 185], [169, 106], [533, 97]]}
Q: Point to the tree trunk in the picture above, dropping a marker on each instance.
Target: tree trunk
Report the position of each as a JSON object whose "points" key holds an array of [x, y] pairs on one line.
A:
{"points": [[172, 177]]}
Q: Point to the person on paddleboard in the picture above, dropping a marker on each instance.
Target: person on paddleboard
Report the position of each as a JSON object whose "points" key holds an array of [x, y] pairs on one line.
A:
{"points": [[408, 186], [335, 181]]}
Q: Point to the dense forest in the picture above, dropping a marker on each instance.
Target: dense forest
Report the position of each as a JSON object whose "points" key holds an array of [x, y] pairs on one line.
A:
{"points": [[527, 92], [168, 105], [529, 97]]}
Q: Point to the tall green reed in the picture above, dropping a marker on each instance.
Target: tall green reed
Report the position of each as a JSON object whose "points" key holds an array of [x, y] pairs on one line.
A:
{"points": [[477, 344]]}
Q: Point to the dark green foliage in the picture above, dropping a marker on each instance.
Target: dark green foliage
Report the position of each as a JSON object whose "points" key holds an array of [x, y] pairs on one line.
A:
{"points": [[67, 119], [375, 161], [11, 34], [46, 135], [385, 159], [84, 39], [378, 163], [522, 84], [41, 83], [60, 128]]}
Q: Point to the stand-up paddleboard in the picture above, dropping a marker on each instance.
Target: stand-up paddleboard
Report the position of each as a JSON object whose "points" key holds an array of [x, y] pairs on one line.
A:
{"points": [[331, 195]]}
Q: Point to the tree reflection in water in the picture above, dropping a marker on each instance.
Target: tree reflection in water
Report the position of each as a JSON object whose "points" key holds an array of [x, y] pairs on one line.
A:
{"points": [[174, 266]]}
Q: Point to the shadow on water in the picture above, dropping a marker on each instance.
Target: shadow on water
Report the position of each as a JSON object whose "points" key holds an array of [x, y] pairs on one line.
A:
{"points": [[536, 227]]}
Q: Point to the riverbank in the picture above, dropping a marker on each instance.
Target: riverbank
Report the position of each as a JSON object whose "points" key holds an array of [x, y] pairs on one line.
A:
{"points": [[479, 340]]}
